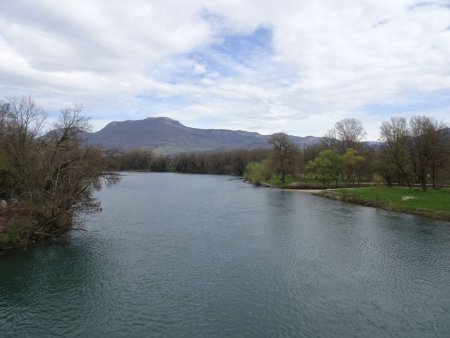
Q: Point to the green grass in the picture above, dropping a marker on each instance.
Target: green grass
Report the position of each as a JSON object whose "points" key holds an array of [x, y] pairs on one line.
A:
{"points": [[275, 180], [299, 182], [293, 182], [403, 199]]}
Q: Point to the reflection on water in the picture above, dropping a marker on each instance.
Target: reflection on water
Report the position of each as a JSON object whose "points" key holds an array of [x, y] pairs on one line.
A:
{"points": [[187, 255]]}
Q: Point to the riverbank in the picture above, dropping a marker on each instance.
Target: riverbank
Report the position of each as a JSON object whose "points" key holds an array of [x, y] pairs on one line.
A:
{"points": [[432, 203], [13, 229], [290, 187]]}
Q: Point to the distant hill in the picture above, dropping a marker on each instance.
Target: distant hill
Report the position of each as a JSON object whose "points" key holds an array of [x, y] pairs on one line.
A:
{"points": [[167, 136]]}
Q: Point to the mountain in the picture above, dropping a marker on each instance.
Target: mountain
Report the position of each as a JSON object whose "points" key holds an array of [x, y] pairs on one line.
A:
{"points": [[164, 135]]}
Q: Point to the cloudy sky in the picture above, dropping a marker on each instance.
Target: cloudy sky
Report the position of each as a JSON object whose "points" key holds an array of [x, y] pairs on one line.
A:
{"points": [[257, 65]]}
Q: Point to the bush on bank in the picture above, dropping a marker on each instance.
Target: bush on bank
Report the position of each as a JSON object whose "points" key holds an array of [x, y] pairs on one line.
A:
{"points": [[46, 180]]}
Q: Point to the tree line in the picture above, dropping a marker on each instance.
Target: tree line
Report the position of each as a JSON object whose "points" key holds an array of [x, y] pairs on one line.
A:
{"points": [[231, 162], [411, 152]]}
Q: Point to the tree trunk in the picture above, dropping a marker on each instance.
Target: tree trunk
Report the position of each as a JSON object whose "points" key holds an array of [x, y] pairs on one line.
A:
{"points": [[434, 175], [423, 181], [389, 182], [407, 181]]}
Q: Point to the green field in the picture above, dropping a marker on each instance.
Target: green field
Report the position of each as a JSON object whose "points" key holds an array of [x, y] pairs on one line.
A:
{"points": [[276, 181], [301, 183], [293, 183], [433, 203]]}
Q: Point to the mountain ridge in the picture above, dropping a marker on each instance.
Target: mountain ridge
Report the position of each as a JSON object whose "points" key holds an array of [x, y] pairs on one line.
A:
{"points": [[168, 136]]}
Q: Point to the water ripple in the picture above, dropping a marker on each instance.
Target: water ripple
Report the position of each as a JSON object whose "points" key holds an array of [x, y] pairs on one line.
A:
{"points": [[186, 256]]}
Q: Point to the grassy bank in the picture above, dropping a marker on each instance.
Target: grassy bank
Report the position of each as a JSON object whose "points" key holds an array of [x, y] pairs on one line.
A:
{"points": [[432, 203], [291, 183], [303, 183]]}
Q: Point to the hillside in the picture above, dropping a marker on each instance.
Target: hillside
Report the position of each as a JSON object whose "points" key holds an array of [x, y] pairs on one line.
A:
{"points": [[165, 135]]}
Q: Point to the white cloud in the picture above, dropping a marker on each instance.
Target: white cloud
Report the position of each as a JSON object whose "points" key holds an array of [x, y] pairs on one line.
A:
{"points": [[326, 60]]}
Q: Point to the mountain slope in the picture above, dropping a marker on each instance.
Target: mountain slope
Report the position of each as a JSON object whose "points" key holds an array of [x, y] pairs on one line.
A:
{"points": [[165, 135]]}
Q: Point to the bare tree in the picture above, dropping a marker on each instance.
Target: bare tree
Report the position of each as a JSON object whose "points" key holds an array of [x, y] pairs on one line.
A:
{"points": [[71, 123], [72, 172], [4, 109], [284, 154], [25, 117], [330, 141], [394, 135], [424, 148], [440, 153], [22, 123], [53, 176], [348, 133]]}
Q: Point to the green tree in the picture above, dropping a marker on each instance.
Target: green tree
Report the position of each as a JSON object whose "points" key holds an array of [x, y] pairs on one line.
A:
{"points": [[257, 172], [351, 162], [326, 167]]}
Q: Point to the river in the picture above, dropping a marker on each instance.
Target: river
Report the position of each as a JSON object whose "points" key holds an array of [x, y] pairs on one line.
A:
{"points": [[206, 256]]}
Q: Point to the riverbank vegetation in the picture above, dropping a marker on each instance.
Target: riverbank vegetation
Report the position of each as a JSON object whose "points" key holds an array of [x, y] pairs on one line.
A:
{"points": [[412, 157], [46, 180], [432, 203], [232, 162], [411, 153]]}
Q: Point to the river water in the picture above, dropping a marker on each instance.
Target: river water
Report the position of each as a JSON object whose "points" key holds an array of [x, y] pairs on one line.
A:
{"points": [[206, 256]]}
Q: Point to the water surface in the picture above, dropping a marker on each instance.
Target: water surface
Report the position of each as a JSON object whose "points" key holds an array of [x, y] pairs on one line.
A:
{"points": [[189, 255]]}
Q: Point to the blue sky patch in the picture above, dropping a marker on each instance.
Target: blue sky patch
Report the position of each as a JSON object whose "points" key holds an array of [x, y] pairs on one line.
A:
{"points": [[227, 58]]}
